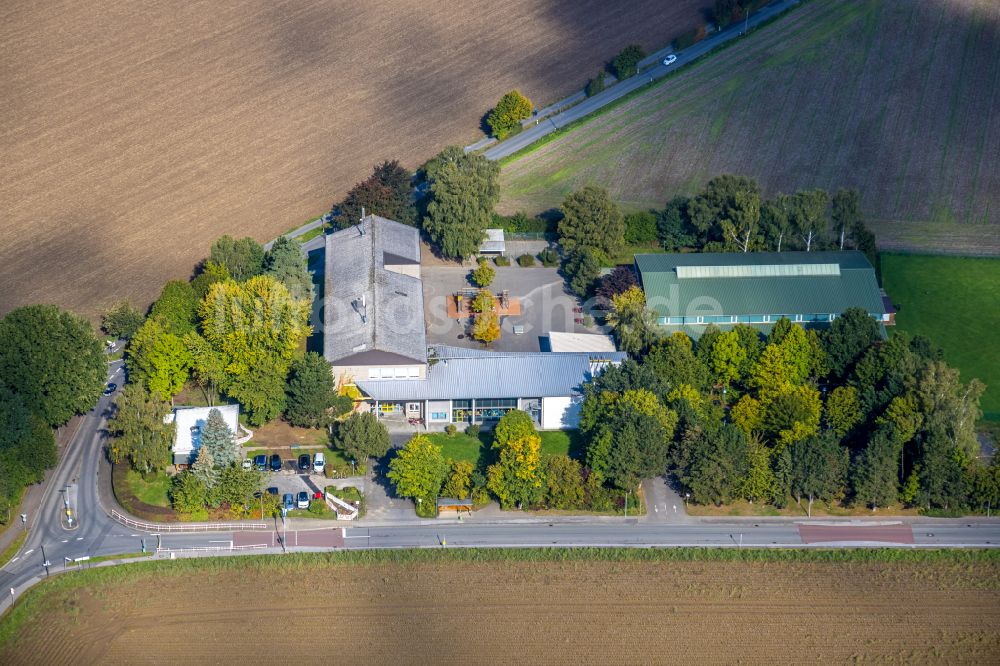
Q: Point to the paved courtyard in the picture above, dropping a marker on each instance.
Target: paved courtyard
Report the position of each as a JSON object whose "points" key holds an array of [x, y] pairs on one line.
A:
{"points": [[545, 306]]}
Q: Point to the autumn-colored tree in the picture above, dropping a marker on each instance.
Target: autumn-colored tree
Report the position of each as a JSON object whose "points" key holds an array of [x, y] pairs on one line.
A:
{"points": [[484, 301], [419, 469], [516, 477], [631, 321], [486, 328], [459, 482], [507, 115], [483, 276]]}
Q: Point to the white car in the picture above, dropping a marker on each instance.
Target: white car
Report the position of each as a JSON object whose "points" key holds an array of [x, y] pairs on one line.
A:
{"points": [[670, 59], [319, 462], [247, 463]]}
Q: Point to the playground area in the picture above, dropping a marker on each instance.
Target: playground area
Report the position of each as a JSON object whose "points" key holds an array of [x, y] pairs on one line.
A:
{"points": [[460, 304]]}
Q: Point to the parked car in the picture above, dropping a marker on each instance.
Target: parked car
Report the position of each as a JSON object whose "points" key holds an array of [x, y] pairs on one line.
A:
{"points": [[303, 500], [260, 462], [304, 463], [273, 490], [670, 59], [275, 462], [247, 463], [319, 462], [110, 388], [288, 502]]}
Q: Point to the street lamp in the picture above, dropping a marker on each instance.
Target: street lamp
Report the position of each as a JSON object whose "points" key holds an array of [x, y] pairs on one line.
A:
{"points": [[626, 503], [687, 496], [353, 461]]}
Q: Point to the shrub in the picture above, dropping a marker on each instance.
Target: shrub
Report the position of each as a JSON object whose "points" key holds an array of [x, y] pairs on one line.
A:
{"points": [[507, 115], [595, 85], [526, 260], [473, 430], [450, 429], [520, 223], [502, 261], [316, 507], [549, 257], [626, 63], [588, 321]]}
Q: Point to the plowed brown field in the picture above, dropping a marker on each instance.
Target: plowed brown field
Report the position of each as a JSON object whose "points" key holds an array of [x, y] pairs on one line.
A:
{"points": [[541, 612], [134, 134]]}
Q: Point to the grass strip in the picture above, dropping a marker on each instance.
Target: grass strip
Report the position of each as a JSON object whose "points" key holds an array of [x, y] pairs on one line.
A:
{"points": [[12, 549]]}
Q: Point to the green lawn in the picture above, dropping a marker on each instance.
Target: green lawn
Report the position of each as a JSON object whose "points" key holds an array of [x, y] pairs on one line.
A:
{"points": [[562, 443], [152, 490], [954, 301]]}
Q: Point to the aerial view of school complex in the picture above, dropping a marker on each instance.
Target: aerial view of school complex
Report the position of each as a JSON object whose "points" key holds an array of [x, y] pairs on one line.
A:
{"points": [[537, 332]]}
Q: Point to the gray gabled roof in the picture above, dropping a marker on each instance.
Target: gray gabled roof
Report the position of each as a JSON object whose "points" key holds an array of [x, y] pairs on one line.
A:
{"points": [[464, 374], [358, 283], [733, 283]]}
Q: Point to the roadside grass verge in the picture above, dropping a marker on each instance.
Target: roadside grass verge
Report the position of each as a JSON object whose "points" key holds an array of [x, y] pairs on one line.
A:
{"points": [[12, 549], [153, 491], [953, 301]]}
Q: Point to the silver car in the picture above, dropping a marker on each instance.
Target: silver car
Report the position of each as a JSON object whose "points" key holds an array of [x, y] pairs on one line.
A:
{"points": [[670, 59]]}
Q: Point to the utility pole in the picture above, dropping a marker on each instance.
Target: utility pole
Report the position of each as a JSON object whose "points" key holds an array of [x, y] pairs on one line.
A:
{"points": [[626, 504], [45, 561], [746, 25]]}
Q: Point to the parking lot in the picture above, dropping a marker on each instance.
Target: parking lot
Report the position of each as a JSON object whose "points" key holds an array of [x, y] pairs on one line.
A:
{"points": [[545, 306]]}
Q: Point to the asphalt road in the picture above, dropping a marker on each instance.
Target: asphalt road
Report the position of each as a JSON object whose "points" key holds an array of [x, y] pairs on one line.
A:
{"points": [[548, 125]]}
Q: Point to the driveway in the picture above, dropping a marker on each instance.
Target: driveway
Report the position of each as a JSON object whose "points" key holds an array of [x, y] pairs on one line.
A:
{"points": [[545, 306]]}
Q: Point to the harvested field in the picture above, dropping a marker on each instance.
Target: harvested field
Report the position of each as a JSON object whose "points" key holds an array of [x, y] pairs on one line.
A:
{"points": [[564, 607], [134, 135], [898, 99]]}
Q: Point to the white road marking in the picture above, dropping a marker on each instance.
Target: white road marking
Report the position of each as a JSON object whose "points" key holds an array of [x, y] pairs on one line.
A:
{"points": [[65, 540], [79, 538], [29, 552], [14, 560], [358, 536]]}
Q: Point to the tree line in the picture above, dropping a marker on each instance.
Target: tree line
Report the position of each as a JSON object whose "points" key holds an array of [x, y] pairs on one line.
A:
{"points": [[841, 416]]}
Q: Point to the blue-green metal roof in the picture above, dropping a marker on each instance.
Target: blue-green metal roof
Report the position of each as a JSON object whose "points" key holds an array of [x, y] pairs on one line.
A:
{"points": [[776, 290]]}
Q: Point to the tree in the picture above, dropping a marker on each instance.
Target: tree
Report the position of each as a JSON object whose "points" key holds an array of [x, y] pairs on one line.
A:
{"points": [[27, 448], [618, 281], [728, 209], [591, 219], [312, 397], [507, 115], [950, 408], [459, 483], [286, 263], [845, 213], [237, 487], [639, 449], [204, 468], [673, 226], [140, 435], [596, 84], [719, 464], [177, 307], [847, 339], [759, 482], [483, 276], [842, 410], [819, 468], [207, 365], [419, 469], [563, 483], [388, 192], [640, 228], [53, 360], [122, 320], [362, 436], [463, 190], [776, 220], [748, 415], [631, 321], [626, 63], [582, 269], [220, 441], [792, 415], [673, 360], [242, 259], [484, 301], [808, 208], [255, 328], [875, 471], [208, 274], [726, 11], [158, 359], [486, 328], [942, 480], [516, 477], [728, 357]]}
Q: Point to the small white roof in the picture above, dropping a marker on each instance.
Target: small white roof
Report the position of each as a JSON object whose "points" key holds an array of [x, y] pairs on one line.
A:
{"points": [[580, 342], [494, 241], [190, 421]]}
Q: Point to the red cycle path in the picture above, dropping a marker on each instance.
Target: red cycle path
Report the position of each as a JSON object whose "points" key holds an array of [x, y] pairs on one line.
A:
{"points": [[838, 533], [332, 538]]}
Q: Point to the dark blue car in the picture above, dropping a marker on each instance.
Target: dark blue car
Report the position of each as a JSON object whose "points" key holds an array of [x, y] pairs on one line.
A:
{"points": [[275, 463]]}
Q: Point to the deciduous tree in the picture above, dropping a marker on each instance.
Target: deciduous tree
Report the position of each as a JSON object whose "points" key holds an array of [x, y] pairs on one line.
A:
{"points": [[507, 115], [242, 258], [847, 339], [582, 270], [158, 359], [388, 192], [808, 215], [122, 320], [591, 219], [842, 410], [819, 468], [626, 63], [483, 276], [486, 328], [631, 322], [419, 469], [177, 307], [139, 433], [516, 477], [563, 483], [459, 482], [463, 191], [53, 360]]}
